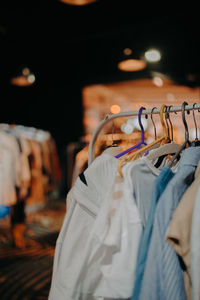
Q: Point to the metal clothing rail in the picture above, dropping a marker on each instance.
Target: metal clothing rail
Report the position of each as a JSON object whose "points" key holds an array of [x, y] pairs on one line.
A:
{"points": [[111, 117]]}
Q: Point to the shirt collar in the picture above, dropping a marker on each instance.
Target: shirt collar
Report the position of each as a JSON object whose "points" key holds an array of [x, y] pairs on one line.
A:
{"points": [[190, 156]]}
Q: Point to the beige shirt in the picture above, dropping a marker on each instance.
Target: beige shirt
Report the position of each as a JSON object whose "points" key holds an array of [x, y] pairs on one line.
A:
{"points": [[10, 168], [9, 142], [178, 234], [37, 185], [7, 177], [25, 168]]}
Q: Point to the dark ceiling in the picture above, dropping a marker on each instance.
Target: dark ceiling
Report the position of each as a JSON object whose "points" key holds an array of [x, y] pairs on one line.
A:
{"points": [[63, 43], [68, 47]]}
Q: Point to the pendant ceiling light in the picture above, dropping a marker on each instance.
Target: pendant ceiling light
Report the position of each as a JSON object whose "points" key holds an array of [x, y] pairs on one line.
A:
{"points": [[78, 2], [129, 63], [152, 55], [24, 78]]}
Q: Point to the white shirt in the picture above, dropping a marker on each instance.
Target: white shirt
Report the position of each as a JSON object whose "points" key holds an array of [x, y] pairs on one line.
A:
{"points": [[10, 171], [71, 246], [96, 250]]}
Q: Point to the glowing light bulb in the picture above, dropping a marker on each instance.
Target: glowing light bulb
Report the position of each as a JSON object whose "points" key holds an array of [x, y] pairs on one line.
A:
{"points": [[115, 109], [152, 55], [26, 71], [131, 65], [158, 81], [127, 51], [78, 2], [31, 78]]}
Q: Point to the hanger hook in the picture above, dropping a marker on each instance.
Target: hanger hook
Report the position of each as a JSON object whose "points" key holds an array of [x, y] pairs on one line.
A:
{"points": [[140, 123], [162, 120], [172, 129], [184, 121], [195, 123], [113, 143], [154, 126], [166, 120]]}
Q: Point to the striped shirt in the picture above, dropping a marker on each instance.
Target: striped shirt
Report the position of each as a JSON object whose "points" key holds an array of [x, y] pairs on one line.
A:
{"points": [[158, 187]]}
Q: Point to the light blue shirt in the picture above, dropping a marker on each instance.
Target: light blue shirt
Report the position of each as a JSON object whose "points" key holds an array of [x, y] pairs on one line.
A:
{"points": [[163, 276], [158, 187]]}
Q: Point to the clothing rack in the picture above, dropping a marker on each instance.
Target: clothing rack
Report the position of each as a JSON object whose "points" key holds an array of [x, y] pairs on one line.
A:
{"points": [[111, 117]]}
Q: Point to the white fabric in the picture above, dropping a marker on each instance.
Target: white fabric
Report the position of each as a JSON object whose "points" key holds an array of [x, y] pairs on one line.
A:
{"points": [[8, 141], [25, 168], [7, 176], [96, 251], [71, 245], [113, 150], [10, 168], [111, 251]]}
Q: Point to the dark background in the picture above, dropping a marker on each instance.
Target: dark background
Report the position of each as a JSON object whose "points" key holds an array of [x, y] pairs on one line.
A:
{"points": [[68, 47]]}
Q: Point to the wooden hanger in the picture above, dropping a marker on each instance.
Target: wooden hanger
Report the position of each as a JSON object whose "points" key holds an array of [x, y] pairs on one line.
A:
{"points": [[169, 148], [164, 138]]}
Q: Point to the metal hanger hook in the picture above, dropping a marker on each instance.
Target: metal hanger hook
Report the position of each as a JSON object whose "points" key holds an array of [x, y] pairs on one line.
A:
{"points": [[166, 120], [154, 126], [195, 123], [172, 129], [184, 121], [140, 123], [162, 120]]}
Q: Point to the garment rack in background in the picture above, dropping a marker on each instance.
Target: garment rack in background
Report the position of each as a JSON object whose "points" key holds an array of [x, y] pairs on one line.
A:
{"points": [[111, 117]]}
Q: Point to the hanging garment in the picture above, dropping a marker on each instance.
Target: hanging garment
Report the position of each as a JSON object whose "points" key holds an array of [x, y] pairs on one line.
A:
{"points": [[71, 246], [163, 276], [112, 230], [195, 249], [114, 237], [8, 141], [7, 177], [46, 157], [143, 175], [158, 188], [118, 229], [128, 218], [55, 163], [25, 168], [37, 194], [111, 151], [178, 234]]}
